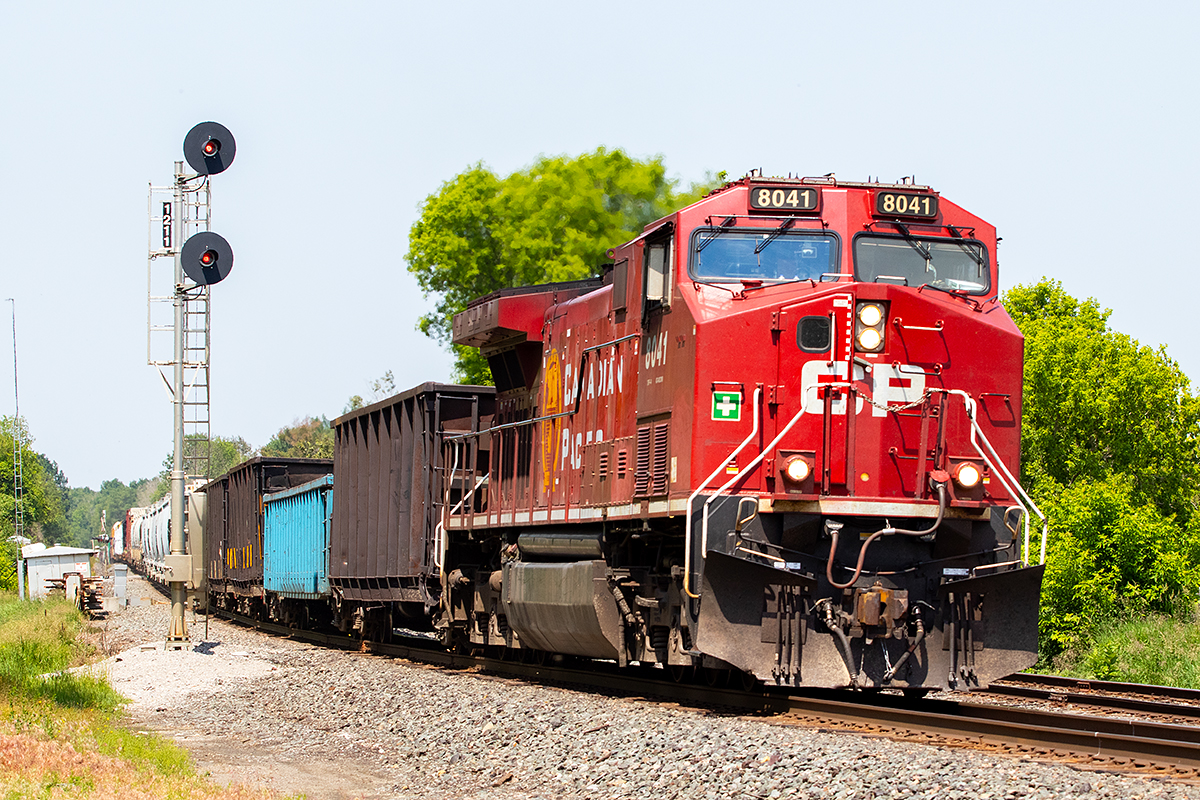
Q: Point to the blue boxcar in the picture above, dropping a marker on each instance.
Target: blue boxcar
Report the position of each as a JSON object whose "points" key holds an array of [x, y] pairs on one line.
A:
{"points": [[296, 540]]}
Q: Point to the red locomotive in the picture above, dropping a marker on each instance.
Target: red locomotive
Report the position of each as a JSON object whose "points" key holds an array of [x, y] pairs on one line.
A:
{"points": [[778, 437]]}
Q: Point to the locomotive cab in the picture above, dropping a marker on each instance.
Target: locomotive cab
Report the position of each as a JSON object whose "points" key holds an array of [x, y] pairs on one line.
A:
{"points": [[779, 437]]}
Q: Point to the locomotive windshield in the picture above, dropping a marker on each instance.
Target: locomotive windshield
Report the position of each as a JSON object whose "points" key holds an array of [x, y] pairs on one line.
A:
{"points": [[772, 256], [949, 264]]}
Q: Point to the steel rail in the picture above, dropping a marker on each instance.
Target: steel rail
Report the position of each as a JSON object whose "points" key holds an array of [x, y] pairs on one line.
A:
{"points": [[1092, 684], [1164, 749], [1110, 695]]}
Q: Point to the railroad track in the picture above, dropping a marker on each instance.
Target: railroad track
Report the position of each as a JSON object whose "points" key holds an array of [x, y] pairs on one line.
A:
{"points": [[1111, 697], [1163, 749]]}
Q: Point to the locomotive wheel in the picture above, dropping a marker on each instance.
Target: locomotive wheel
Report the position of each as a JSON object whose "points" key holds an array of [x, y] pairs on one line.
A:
{"points": [[748, 681], [541, 657], [680, 673], [714, 677]]}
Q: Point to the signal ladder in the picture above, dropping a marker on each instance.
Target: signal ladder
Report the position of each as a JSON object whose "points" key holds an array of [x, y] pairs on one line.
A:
{"points": [[165, 240]]}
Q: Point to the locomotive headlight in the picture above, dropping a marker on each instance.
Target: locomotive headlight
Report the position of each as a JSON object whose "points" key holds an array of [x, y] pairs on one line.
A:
{"points": [[967, 476], [868, 327], [796, 469], [870, 314], [869, 339]]}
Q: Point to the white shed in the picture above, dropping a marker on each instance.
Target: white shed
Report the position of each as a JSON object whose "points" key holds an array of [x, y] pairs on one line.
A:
{"points": [[41, 563]]}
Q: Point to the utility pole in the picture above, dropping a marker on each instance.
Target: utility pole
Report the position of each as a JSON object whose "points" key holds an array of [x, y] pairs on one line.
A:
{"points": [[18, 449]]}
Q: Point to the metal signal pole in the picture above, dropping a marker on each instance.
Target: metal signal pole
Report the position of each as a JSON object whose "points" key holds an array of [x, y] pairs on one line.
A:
{"points": [[177, 635], [205, 259]]}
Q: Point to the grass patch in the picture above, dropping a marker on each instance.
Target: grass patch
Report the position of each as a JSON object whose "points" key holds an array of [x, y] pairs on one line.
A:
{"points": [[61, 733], [1158, 650], [38, 643]]}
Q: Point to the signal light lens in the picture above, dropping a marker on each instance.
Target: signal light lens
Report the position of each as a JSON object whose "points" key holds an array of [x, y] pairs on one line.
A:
{"points": [[967, 476], [869, 339], [212, 147], [208, 258], [870, 314], [796, 469]]}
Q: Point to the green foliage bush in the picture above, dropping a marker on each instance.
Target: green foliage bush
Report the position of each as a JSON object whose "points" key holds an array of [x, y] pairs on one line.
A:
{"points": [[1110, 559], [1111, 452]]}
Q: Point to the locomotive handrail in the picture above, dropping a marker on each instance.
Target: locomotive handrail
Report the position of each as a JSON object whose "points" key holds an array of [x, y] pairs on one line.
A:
{"points": [[1011, 485], [724, 487], [687, 535], [439, 530], [899, 323], [757, 460]]}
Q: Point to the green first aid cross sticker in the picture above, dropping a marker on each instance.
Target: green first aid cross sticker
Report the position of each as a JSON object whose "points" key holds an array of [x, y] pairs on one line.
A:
{"points": [[727, 406]]}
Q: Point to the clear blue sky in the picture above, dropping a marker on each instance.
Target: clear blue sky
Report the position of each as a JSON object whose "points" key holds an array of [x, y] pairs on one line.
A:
{"points": [[1070, 126]]}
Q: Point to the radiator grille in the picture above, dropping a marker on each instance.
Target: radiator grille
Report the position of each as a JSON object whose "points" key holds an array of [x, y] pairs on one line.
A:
{"points": [[660, 476], [641, 468], [652, 470]]}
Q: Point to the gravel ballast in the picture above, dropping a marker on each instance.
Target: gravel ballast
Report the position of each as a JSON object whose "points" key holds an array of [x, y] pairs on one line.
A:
{"points": [[330, 724]]}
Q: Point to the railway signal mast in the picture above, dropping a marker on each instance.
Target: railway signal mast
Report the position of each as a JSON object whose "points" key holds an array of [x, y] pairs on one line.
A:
{"points": [[203, 259]]}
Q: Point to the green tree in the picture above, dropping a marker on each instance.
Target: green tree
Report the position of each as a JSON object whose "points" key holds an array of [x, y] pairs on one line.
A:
{"points": [[1109, 438], [551, 222], [88, 507], [42, 500], [1096, 403], [304, 438], [381, 387], [225, 453]]}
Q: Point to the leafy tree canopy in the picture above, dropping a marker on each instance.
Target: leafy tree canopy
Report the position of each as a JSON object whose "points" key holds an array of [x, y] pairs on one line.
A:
{"points": [[43, 498], [304, 438], [1109, 439], [1097, 403], [225, 453], [551, 222], [88, 508]]}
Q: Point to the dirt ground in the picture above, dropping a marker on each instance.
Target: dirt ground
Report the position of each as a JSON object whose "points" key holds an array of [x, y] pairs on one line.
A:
{"points": [[165, 687], [336, 778]]}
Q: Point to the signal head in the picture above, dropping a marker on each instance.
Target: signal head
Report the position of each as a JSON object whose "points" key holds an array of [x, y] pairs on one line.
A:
{"points": [[207, 258], [209, 148]]}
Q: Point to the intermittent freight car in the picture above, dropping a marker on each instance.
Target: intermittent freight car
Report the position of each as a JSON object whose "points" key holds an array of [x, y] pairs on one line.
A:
{"points": [[147, 534], [776, 438], [234, 549]]}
